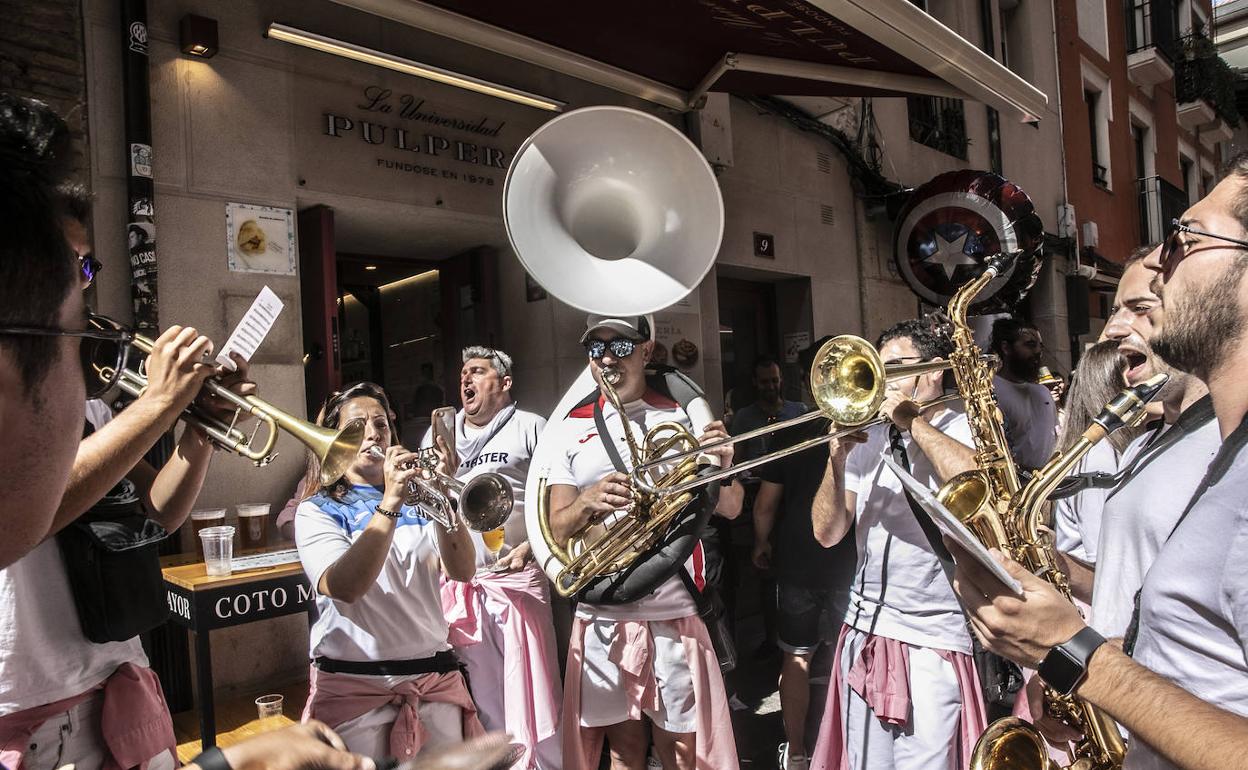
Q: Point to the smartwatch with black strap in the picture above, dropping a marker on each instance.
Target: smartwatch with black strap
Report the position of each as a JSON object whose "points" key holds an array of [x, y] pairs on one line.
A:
{"points": [[1066, 665]]}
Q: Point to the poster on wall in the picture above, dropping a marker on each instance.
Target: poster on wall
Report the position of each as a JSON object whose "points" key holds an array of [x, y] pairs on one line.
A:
{"points": [[260, 239], [675, 336]]}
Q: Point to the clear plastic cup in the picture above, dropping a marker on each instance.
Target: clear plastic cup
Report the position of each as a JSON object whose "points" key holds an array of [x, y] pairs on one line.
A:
{"points": [[269, 706], [253, 526], [218, 543], [201, 520]]}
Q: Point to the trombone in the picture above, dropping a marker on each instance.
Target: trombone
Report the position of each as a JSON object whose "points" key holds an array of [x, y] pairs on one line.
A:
{"points": [[335, 449], [484, 501], [848, 380]]}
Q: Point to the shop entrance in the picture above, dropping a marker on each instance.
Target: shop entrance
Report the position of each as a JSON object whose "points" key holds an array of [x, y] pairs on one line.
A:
{"points": [[397, 321], [769, 317]]}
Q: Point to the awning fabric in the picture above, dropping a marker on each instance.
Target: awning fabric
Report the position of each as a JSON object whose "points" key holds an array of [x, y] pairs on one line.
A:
{"points": [[672, 52]]}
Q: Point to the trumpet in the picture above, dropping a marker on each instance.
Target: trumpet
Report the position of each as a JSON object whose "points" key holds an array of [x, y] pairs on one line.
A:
{"points": [[335, 449], [848, 379], [484, 501]]}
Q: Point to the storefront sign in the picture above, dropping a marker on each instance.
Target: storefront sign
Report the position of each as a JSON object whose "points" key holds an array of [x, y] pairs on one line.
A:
{"points": [[239, 603], [421, 139]]}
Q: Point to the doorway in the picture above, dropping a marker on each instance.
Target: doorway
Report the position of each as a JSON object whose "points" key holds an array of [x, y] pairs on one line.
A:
{"points": [[397, 321]]}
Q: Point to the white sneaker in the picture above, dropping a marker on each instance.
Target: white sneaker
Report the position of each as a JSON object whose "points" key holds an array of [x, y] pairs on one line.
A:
{"points": [[790, 762]]}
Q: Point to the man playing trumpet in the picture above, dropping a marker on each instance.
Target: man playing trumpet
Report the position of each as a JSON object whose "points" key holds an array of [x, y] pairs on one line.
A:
{"points": [[650, 659]]}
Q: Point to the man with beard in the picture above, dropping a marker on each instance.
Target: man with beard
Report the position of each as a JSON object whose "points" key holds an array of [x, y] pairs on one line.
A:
{"points": [[1028, 408], [503, 613], [1184, 696]]}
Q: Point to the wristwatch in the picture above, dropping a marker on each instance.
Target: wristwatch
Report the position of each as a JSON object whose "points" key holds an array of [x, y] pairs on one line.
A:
{"points": [[212, 759], [1066, 665]]}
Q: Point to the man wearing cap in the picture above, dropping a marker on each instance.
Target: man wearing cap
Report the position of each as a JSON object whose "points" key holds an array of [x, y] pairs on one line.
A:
{"points": [[500, 621], [650, 659]]}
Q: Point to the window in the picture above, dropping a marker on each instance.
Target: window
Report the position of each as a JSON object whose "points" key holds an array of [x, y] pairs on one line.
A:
{"points": [[1191, 183], [1100, 174], [938, 122]]}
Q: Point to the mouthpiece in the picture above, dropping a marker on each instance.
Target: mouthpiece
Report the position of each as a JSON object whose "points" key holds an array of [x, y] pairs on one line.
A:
{"points": [[612, 375], [1129, 404], [998, 263], [377, 452]]}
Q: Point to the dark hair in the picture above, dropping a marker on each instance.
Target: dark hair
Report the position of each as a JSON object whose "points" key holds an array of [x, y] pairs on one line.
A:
{"points": [[929, 342], [1095, 382], [1139, 253], [330, 417], [75, 202], [1006, 331], [1238, 168], [37, 267], [764, 361]]}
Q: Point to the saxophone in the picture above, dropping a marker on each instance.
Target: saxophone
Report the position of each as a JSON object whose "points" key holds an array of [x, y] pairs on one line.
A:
{"points": [[990, 502]]}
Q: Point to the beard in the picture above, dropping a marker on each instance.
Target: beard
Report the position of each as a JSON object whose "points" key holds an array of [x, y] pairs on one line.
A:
{"points": [[1199, 330]]}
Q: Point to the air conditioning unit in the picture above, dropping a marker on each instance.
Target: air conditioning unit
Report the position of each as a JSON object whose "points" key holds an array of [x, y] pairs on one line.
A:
{"points": [[1091, 236]]}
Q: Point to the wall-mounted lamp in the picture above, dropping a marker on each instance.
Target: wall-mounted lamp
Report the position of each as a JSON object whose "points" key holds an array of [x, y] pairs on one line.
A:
{"points": [[198, 36], [408, 67]]}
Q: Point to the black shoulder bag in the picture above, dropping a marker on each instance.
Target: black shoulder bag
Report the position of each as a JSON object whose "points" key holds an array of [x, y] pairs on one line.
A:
{"points": [[112, 560]]}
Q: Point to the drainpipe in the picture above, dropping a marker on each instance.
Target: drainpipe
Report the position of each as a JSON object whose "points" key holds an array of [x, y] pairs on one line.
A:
{"points": [[140, 190]]}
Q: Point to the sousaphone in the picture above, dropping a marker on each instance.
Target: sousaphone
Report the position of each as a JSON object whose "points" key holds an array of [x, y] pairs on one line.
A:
{"points": [[614, 212]]}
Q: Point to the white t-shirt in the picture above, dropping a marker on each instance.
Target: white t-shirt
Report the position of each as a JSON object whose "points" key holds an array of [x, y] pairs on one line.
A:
{"points": [[400, 616], [1194, 607], [1077, 519], [900, 590], [1138, 517], [586, 461], [44, 656], [1030, 420], [507, 452]]}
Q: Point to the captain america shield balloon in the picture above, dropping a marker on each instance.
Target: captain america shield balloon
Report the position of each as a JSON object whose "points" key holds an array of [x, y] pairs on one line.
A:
{"points": [[956, 220]]}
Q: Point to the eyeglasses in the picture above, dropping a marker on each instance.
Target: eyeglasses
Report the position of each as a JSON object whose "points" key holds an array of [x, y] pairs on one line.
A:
{"points": [[620, 347], [1173, 247], [90, 267], [103, 353]]}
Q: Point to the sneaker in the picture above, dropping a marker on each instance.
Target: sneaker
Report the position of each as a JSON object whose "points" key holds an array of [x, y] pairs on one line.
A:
{"points": [[790, 762]]}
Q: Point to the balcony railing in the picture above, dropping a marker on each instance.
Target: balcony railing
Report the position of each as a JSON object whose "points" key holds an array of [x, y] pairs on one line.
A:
{"points": [[1153, 24], [1159, 203], [938, 122], [1202, 74]]}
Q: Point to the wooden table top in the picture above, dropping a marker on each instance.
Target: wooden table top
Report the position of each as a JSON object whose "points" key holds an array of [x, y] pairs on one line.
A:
{"points": [[193, 576]]}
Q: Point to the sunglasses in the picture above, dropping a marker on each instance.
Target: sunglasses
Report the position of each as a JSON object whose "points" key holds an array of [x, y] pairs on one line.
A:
{"points": [[1173, 248], [90, 267], [620, 347], [103, 353]]}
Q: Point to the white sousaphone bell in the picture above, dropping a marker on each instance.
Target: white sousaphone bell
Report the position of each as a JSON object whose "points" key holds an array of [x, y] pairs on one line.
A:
{"points": [[614, 212]]}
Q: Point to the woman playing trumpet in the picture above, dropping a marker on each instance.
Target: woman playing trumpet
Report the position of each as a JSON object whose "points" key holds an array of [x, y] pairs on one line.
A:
{"points": [[375, 564]]}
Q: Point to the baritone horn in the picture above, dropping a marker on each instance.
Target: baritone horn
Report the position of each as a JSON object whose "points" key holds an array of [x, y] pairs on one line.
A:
{"points": [[334, 449]]}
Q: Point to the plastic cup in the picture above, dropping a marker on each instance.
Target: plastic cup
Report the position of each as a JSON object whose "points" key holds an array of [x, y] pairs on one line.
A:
{"points": [[218, 543], [253, 526], [201, 520], [269, 706]]}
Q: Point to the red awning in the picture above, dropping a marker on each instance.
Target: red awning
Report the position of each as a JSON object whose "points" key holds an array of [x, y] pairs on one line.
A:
{"points": [[672, 52]]}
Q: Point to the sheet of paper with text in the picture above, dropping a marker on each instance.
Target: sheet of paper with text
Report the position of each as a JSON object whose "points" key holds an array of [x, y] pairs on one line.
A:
{"points": [[253, 328]]}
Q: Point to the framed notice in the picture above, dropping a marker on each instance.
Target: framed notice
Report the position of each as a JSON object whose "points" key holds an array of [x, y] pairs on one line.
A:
{"points": [[260, 239]]}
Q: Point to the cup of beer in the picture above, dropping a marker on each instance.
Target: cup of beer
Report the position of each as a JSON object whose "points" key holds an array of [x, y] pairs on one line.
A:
{"points": [[201, 520], [253, 526], [493, 541], [218, 544]]}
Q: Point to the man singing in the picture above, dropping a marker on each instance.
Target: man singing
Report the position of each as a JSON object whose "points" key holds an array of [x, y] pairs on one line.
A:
{"points": [[1179, 683], [650, 659], [500, 621], [904, 693]]}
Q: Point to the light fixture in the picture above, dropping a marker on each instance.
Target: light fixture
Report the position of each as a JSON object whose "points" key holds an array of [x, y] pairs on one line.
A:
{"points": [[370, 267], [408, 67], [198, 36]]}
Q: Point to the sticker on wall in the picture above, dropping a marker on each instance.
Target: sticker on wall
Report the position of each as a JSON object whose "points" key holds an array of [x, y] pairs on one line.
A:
{"points": [[141, 160], [794, 344], [260, 239], [141, 243]]}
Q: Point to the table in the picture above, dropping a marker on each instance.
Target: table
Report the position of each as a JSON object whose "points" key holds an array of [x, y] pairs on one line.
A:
{"points": [[201, 604]]}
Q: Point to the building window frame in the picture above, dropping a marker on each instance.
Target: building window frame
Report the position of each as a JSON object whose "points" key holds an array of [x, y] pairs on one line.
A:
{"points": [[1100, 115], [938, 122]]}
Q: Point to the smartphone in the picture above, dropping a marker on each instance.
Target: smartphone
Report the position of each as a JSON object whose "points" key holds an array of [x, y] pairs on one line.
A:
{"points": [[444, 426]]}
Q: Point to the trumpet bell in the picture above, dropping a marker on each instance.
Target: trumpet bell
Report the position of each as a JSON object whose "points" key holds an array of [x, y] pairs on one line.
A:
{"points": [[486, 502], [1010, 744], [610, 197], [336, 450]]}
